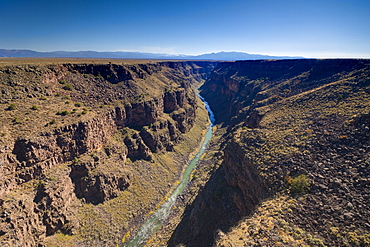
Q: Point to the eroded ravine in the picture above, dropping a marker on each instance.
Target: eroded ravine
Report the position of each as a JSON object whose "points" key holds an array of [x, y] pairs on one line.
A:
{"points": [[156, 219]]}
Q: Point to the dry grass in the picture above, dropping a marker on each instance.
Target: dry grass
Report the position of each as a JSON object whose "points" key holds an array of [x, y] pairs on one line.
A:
{"points": [[266, 227]]}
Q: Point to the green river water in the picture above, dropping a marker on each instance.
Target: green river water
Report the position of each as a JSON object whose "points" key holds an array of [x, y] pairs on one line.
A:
{"points": [[155, 221]]}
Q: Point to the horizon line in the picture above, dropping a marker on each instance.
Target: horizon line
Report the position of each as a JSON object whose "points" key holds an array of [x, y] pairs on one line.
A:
{"points": [[324, 56]]}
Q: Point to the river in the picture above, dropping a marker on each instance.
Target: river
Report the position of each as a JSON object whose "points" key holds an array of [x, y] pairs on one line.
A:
{"points": [[155, 221]]}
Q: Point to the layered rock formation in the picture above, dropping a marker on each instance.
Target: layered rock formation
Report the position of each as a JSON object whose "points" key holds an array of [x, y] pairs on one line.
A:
{"points": [[285, 119], [53, 161]]}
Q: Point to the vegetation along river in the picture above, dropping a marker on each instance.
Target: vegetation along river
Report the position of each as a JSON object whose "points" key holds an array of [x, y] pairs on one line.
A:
{"points": [[156, 219]]}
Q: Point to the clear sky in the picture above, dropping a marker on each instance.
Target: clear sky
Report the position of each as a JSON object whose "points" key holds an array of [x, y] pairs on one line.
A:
{"points": [[310, 28]]}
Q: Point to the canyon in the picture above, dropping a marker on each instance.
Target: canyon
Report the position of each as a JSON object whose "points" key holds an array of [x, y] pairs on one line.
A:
{"points": [[89, 149], [85, 143]]}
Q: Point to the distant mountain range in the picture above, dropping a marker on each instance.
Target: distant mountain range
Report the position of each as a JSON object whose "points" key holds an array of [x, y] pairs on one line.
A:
{"points": [[139, 55]]}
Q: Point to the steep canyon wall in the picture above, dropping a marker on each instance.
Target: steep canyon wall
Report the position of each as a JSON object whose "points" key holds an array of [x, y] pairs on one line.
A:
{"points": [[286, 118], [68, 131]]}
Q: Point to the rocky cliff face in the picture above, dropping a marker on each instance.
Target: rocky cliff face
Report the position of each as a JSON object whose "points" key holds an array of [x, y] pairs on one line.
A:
{"points": [[285, 119], [48, 170]]}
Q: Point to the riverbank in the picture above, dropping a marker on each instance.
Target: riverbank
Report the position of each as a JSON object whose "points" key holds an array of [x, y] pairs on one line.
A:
{"points": [[208, 164]]}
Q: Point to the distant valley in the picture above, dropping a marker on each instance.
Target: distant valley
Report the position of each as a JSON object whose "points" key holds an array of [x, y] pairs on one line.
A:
{"points": [[225, 56]]}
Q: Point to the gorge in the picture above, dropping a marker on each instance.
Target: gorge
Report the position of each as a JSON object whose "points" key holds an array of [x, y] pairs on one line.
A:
{"points": [[90, 149], [160, 216]]}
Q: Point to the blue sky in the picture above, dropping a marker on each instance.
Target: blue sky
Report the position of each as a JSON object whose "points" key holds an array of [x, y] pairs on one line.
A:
{"points": [[310, 28]]}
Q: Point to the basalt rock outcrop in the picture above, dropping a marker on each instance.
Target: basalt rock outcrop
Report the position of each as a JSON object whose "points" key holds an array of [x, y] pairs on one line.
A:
{"points": [[52, 161], [285, 119]]}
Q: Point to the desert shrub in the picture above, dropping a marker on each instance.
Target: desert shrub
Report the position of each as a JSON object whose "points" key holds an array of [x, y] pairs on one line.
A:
{"points": [[315, 241], [78, 104], [16, 121], [124, 131], [75, 160], [11, 107], [63, 113], [299, 185], [68, 87], [34, 107]]}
